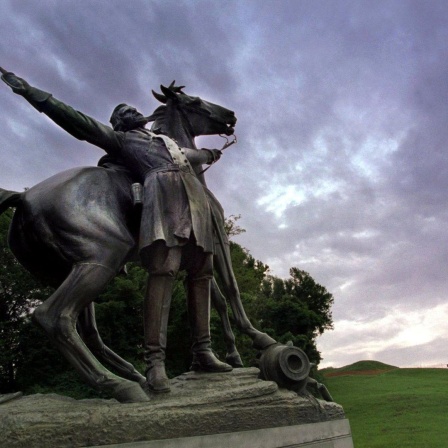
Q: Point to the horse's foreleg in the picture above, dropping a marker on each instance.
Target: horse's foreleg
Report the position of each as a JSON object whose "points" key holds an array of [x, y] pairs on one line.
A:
{"points": [[219, 302], [223, 265], [89, 333], [58, 316]]}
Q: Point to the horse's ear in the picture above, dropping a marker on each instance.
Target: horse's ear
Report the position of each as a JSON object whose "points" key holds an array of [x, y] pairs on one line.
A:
{"points": [[174, 88], [168, 92], [159, 97]]}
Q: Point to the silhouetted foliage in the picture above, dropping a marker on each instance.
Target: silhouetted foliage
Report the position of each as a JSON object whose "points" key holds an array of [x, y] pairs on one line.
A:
{"points": [[297, 309], [20, 293]]}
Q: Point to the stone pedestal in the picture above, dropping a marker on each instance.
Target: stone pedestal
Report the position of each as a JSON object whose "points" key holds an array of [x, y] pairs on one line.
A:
{"points": [[231, 409], [331, 434]]}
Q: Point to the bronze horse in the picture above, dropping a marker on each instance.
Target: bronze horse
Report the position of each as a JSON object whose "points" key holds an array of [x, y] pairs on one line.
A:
{"points": [[77, 229]]}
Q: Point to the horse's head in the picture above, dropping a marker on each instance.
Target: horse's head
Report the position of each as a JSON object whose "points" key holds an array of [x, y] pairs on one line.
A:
{"points": [[196, 116]]}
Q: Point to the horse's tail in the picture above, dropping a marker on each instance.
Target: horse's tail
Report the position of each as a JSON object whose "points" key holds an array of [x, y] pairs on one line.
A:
{"points": [[9, 199]]}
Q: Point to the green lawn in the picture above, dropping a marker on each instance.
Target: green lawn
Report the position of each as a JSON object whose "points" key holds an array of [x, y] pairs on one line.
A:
{"points": [[400, 408]]}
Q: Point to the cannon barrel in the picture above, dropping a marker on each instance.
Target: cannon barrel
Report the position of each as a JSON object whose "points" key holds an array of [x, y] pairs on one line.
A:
{"points": [[287, 365]]}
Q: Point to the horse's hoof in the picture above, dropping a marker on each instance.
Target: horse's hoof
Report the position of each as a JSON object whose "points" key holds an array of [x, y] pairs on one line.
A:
{"points": [[262, 341], [8, 397], [130, 393], [234, 359]]}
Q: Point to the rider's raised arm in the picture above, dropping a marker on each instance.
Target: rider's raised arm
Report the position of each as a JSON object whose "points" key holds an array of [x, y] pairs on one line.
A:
{"points": [[80, 125], [83, 127]]}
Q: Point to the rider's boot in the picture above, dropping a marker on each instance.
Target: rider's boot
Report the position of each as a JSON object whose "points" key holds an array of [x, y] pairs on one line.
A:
{"points": [[199, 314], [156, 312]]}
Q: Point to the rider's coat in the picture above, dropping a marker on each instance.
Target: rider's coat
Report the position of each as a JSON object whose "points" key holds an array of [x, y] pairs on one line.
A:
{"points": [[175, 204]]}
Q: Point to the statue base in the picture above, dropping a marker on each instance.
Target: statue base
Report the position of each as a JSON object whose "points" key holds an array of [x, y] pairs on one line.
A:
{"points": [[201, 410], [331, 434]]}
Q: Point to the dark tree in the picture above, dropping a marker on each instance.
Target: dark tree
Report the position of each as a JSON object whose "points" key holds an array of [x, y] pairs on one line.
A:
{"points": [[297, 309], [20, 293]]}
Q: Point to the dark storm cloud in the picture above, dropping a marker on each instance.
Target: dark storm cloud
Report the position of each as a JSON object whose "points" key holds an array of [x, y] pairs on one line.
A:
{"points": [[341, 167], [73, 51]]}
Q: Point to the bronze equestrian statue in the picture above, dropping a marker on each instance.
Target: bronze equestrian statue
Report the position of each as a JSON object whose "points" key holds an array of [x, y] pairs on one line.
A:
{"points": [[77, 229]]}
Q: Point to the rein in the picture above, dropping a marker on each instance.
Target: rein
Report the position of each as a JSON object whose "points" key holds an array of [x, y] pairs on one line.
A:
{"points": [[228, 143]]}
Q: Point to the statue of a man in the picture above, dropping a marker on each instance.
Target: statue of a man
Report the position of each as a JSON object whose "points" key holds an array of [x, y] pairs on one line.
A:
{"points": [[176, 226]]}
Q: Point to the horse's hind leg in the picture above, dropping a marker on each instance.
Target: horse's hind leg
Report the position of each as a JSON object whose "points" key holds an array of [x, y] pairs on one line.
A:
{"points": [[58, 316], [89, 333], [219, 302], [223, 265]]}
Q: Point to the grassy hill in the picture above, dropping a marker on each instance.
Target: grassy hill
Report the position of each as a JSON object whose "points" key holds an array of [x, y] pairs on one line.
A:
{"points": [[391, 407], [360, 368]]}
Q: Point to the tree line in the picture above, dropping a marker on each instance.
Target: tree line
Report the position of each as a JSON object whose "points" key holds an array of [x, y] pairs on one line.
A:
{"points": [[296, 309]]}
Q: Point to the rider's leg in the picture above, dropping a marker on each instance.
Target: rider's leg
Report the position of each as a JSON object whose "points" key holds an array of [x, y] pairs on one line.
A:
{"points": [[200, 272], [162, 264]]}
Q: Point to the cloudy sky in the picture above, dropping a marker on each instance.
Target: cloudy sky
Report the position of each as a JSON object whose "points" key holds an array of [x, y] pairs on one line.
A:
{"points": [[341, 167]]}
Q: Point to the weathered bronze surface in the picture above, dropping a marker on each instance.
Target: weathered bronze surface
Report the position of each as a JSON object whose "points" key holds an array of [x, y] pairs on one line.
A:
{"points": [[81, 229]]}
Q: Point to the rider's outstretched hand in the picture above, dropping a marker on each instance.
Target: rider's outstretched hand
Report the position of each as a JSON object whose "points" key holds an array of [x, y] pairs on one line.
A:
{"points": [[18, 85]]}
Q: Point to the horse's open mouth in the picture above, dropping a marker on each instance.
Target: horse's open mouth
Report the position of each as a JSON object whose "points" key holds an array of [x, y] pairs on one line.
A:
{"points": [[230, 130], [231, 126]]}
